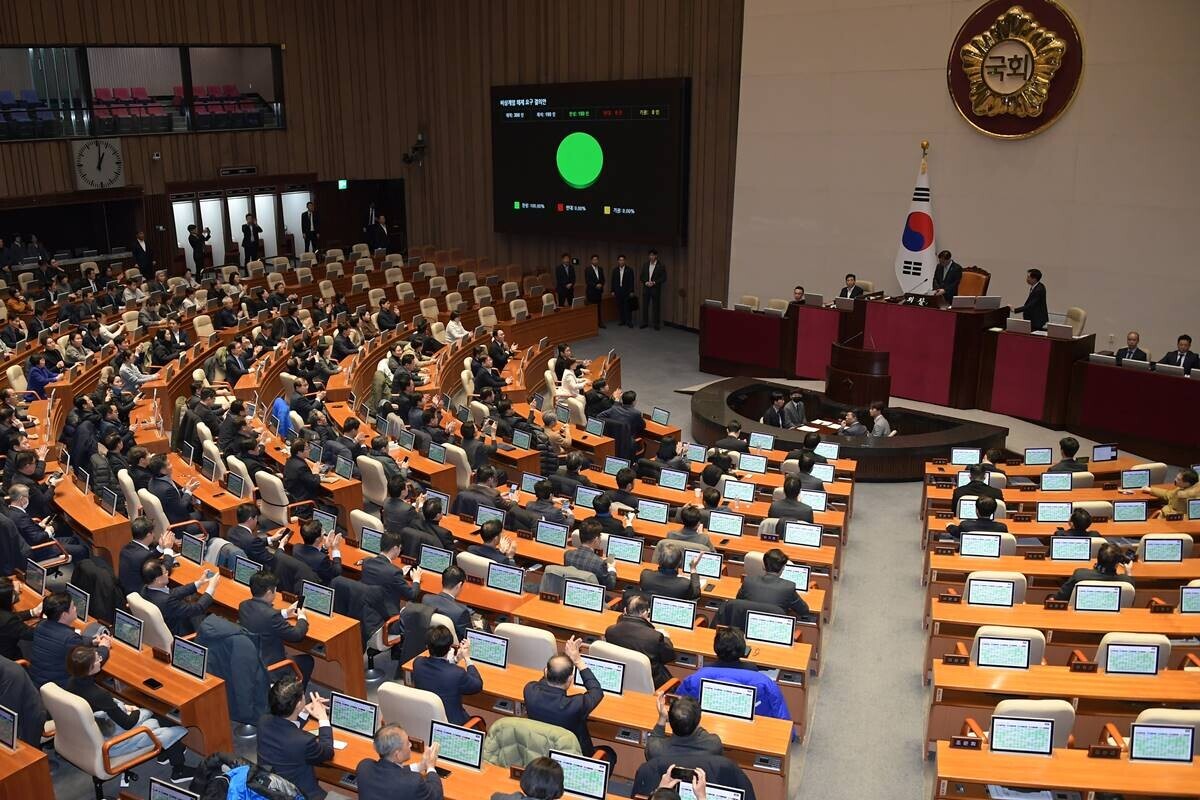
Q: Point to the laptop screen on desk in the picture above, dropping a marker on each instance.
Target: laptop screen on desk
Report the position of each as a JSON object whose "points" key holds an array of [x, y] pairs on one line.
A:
{"points": [[189, 657], [752, 463], [823, 472], [623, 548], [672, 479], [353, 715], [761, 441], [1070, 548], [696, 453], [1162, 743], [437, 453], [161, 790], [967, 509], [1053, 512], [1129, 511], [727, 699], [80, 599], [522, 439], [613, 465], [1098, 598], [235, 484], [990, 593], [127, 629], [814, 499], [584, 495], [328, 521], [317, 598], [244, 569], [456, 744], [1132, 659], [611, 674], [797, 574], [583, 777], [488, 513], [770, 628], [1022, 735], [371, 540], [343, 468], [1104, 452], [980, 545], [1056, 481], [704, 563], [435, 559], [529, 480], [723, 523], [488, 648], [1194, 509], [1135, 478], [965, 456], [594, 426], [738, 490], [587, 596], [827, 449], [35, 576], [1000, 651], [712, 791], [1038, 456], [1189, 600], [660, 416], [407, 439]]}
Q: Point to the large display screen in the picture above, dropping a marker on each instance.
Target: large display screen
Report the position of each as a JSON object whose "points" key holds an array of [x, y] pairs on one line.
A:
{"points": [[607, 159]]}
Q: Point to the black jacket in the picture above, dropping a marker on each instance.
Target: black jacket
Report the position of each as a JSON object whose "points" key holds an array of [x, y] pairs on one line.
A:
{"points": [[717, 769], [270, 628], [546, 703], [13, 630], [732, 443], [379, 571], [299, 480], [459, 614], [1069, 465], [790, 509], [1089, 574], [976, 526], [774, 590], [291, 753], [636, 633], [975, 489], [384, 780], [449, 682], [1035, 309], [52, 642], [180, 615], [18, 693], [670, 584]]}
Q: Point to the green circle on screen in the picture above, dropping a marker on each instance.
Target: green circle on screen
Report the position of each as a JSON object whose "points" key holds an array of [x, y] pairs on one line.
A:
{"points": [[579, 160]]}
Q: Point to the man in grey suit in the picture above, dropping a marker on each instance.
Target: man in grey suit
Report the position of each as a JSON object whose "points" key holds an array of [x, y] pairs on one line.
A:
{"points": [[794, 414], [687, 737], [851, 426], [880, 427], [628, 413], [653, 278], [446, 601], [771, 588], [789, 507]]}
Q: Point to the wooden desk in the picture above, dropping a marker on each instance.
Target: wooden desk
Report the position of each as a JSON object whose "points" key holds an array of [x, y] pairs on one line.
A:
{"points": [[1066, 769], [25, 773], [935, 528], [346, 494], [1103, 470], [440, 477], [108, 534], [210, 494], [1028, 375], [939, 498]]}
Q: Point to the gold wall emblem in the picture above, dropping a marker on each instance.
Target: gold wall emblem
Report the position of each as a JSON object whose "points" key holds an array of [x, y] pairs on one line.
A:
{"points": [[1011, 64]]}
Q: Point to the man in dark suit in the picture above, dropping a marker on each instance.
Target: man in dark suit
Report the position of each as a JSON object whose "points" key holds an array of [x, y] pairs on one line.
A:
{"points": [[181, 615], [789, 506], [978, 486], [594, 276], [666, 580], [732, 440], [653, 277], [851, 289], [1131, 350], [398, 511], [1068, 446], [380, 571], [35, 534], [1107, 560], [564, 280], [771, 588], [142, 546], [628, 413], [773, 416], [946, 276], [298, 478], [448, 680], [985, 509], [427, 522], [235, 363], [546, 700], [319, 551], [446, 601], [687, 737], [270, 627], [284, 747], [247, 536], [587, 555], [308, 227], [55, 637], [808, 481], [1182, 355], [141, 255], [598, 399], [377, 234], [633, 630], [1035, 309], [391, 775], [623, 284], [493, 546], [176, 504], [251, 238]]}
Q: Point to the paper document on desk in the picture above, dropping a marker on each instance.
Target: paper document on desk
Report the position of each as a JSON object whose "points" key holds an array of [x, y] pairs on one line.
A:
{"points": [[1007, 793], [807, 429], [822, 422]]}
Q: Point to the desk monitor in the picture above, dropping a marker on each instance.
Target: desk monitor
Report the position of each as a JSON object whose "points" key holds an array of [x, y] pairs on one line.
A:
{"points": [[127, 629], [623, 548], [823, 472], [108, 500], [1022, 735], [1056, 330], [713, 791], [752, 463], [1018, 325], [328, 521], [1053, 512], [814, 300], [844, 303], [353, 715], [189, 452], [669, 611], [273, 425], [343, 468], [1162, 743], [696, 453], [1189, 600], [611, 674], [579, 594], [441, 497], [584, 495], [1193, 509], [463, 414], [529, 480], [192, 548], [1070, 548], [1098, 598], [522, 439], [704, 563], [770, 628], [724, 523], [804, 534], [536, 400], [827, 449], [967, 508], [583, 777], [1056, 481], [1162, 550], [80, 599], [672, 479], [965, 456], [1001, 651], [456, 744], [487, 513], [436, 453], [189, 657], [315, 453], [980, 545], [435, 559], [381, 424], [613, 465], [990, 593], [407, 439], [317, 598], [244, 569], [488, 648], [1132, 659], [371, 540], [813, 499], [563, 412], [963, 302], [1129, 511], [653, 511], [208, 468], [738, 490], [660, 416], [1104, 452], [505, 578], [551, 533], [797, 574], [964, 477], [761, 441], [1135, 478], [1038, 456], [162, 790], [987, 302], [727, 699], [35, 576], [1143, 366], [235, 484], [594, 426]]}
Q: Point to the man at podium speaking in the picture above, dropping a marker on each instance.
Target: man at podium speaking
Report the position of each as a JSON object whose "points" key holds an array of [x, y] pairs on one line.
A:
{"points": [[946, 276]]}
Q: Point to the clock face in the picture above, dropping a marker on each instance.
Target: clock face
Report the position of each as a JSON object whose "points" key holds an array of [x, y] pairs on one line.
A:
{"points": [[98, 164]]}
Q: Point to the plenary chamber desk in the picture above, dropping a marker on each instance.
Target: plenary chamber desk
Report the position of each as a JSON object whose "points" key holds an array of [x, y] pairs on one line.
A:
{"points": [[795, 345]]}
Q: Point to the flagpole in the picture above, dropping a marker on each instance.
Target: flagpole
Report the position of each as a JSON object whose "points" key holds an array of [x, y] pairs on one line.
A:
{"points": [[924, 156]]}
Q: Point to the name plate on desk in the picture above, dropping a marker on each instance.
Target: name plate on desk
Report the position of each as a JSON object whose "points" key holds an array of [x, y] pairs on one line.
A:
{"points": [[549, 597], [941, 461], [947, 597], [524, 534], [769, 537], [1035, 555], [944, 515], [1084, 666], [1029, 487], [516, 772], [960, 743], [944, 551], [1162, 608], [475, 579], [956, 659], [1021, 517], [408, 561], [1173, 517], [1104, 751], [1053, 604]]}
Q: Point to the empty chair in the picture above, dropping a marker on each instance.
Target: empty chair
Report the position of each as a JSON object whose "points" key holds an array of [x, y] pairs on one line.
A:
{"points": [[1158, 471], [405, 292], [1036, 639], [462, 467], [468, 381], [510, 290], [777, 304], [410, 708], [518, 309], [453, 301], [639, 677], [1117, 638], [374, 480], [527, 646], [211, 451], [867, 286], [393, 275], [1082, 480], [1077, 319], [1097, 508], [428, 269], [273, 501], [327, 290], [130, 318], [360, 519], [548, 304], [334, 254], [365, 264], [1018, 580], [1180, 717], [437, 285], [1061, 711], [750, 300], [238, 467], [487, 317], [483, 295], [304, 274], [133, 506], [359, 283], [1148, 540], [473, 565], [334, 270], [479, 412], [203, 326], [154, 512], [375, 298], [429, 309]]}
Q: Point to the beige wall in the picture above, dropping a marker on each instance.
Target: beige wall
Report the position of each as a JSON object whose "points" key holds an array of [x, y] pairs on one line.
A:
{"points": [[837, 94]]}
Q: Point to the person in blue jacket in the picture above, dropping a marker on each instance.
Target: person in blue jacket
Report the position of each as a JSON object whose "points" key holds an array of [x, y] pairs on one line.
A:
{"points": [[730, 647]]}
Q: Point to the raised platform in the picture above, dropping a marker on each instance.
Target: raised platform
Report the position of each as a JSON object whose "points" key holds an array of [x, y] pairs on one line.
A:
{"points": [[921, 436]]}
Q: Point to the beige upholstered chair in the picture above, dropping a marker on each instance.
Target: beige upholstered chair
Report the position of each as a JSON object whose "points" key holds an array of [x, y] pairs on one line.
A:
{"points": [[1036, 639], [154, 628], [638, 675], [750, 300], [527, 646], [1077, 319], [1019, 581]]}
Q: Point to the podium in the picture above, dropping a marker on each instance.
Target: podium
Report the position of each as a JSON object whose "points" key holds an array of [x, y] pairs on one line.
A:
{"points": [[747, 343], [818, 328], [857, 377], [1028, 375]]}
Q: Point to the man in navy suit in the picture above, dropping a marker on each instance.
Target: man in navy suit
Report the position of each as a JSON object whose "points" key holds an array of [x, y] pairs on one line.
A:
{"points": [[624, 282], [245, 535], [319, 552], [177, 505], [564, 280], [1131, 350], [1035, 309], [546, 700], [446, 601], [269, 625], [391, 776], [449, 680], [494, 547], [55, 637], [946, 276], [286, 749], [179, 612], [627, 412], [380, 571], [33, 533], [594, 275], [143, 546], [985, 508], [653, 277], [1182, 355]]}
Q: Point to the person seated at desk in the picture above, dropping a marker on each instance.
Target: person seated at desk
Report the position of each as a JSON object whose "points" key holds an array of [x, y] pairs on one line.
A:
{"points": [[390, 776], [38, 533], [609, 524], [732, 440], [83, 665], [978, 486], [571, 473], [880, 427], [144, 545], [75, 352], [985, 509], [478, 451], [41, 498], [446, 601], [789, 506], [808, 481], [139, 467], [176, 504], [771, 587], [427, 522], [797, 296], [379, 452], [181, 611], [40, 375], [284, 746], [597, 399], [808, 447], [588, 555], [269, 625], [300, 479], [546, 700], [55, 637], [851, 289], [1107, 560], [730, 646], [449, 680], [1186, 488], [13, 629], [1131, 350], [544, 506], [774, 417], [1182, 355], [18, 693], [623, 494], [691, 536], [851, 426], [633, 631], [688, 737], [253, 453], [1068, 446], [666, 580], [320, 551], [381, 571], [710, 476], [398, 511], [1080, 522], [667, 456], [494, 547], [992, 459]]}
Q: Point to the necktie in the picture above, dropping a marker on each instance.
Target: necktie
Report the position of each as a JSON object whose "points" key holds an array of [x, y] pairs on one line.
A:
{"points": [[1178, 359]]}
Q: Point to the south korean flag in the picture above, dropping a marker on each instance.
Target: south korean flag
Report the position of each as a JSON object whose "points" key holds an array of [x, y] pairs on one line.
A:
{"points": [[916, 257]]}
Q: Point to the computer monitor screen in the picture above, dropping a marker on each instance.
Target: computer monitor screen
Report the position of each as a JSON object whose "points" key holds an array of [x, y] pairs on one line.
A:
{"points": [[551, 533], [588, 596], [613, 465], [967, 508], [814, 499], [827, 449], [1135, 478], [371, 540], [712, 791], [435, 559], [804, 534], [752, 463], [761, 441], [594, 426], [235, 484], [1104, 452], [1053, 512], [611, 674], [964, 477], [344, 468], [487, 513], [244, 569], [727, 699], [1189, 600], [1132, 659], [529, 480], [522, 439], [704, 563], [456, 744], [583, 777], [965, 456], [208, 468], [317, 598], [696, 453], [437, 453], [1129, 511], [407, 439], [442, 498], [990, 593], [8, 728], [80, 599], [1098, 598], [672, 479], [669, 611], [488, 648], [823, 472], [1056, 481], [738, 490], [108, 501], [563, 411], [1022, 735], [1162, 550], [623, 548], [35, 576], [980, 545], [328, 521], [128, 629], [1194, 508], [505, 578], [1001, 651], [770, 628], [189, 657], [1070, 548], [353, 715], [1162, 743], [584, 495], [797, 574], [161, 790], [660, 416], [1038, 456], [723, 523], [653, 511]]}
